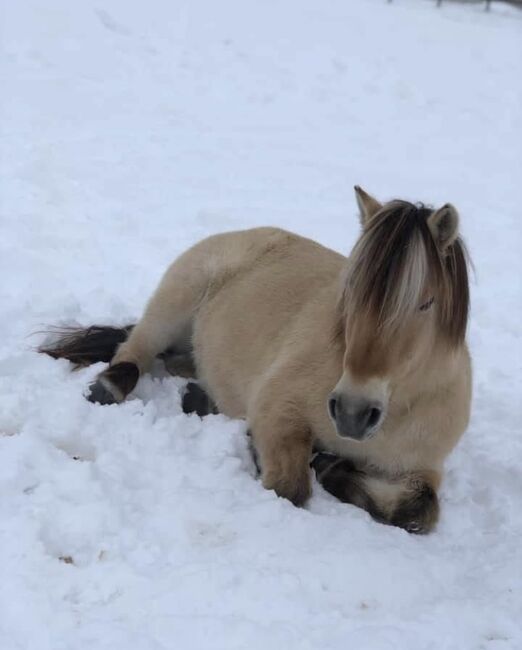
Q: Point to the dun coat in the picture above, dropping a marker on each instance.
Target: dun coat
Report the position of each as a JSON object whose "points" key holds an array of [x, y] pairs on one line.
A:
{"points": [[362, 359]]}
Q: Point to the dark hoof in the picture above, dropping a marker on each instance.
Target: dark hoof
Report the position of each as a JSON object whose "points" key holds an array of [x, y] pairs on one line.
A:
{"points": [[419, 513], [99, 394], [196, 400], [324, 461], [253, 453], [121, 377]]}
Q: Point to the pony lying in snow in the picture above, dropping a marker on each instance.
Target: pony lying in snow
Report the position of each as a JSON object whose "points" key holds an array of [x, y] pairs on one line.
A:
{"points": [[362, 359]]}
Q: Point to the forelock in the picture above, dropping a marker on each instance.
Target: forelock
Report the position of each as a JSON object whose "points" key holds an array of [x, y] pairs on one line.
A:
{"points": [[393, 264]]}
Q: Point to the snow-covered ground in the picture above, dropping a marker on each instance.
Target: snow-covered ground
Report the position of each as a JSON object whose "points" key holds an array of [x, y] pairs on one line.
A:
{"points": [[129, 131]]}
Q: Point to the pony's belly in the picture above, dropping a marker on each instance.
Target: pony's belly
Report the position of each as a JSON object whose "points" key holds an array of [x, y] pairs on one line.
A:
{"points": [[235, 342], [220, 378], [254, 328]]}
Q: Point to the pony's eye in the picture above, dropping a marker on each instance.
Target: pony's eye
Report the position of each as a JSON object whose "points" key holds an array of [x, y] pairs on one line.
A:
{"points": [[427, 304]]}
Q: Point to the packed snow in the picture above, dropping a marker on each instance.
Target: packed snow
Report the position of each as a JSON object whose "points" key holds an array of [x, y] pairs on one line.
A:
{"points": [[128, 132]]}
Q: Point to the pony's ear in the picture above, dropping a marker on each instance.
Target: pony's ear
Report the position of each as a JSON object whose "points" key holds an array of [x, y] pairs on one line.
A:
{"points": [[368, 206], [444, 226]]}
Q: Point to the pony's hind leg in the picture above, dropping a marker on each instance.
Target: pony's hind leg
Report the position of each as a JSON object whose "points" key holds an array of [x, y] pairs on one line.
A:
{"points": [[151, 336], [166, 323]]}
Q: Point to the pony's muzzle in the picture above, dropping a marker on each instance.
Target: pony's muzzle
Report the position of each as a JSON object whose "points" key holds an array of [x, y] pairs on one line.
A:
{"points": [[355, 418]]}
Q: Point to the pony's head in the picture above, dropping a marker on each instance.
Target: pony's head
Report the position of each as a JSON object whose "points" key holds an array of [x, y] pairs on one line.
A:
{"points": [[404, 301]]}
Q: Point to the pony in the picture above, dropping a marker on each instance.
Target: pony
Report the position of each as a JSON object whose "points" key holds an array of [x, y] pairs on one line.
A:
{"points": [[357, 367]]}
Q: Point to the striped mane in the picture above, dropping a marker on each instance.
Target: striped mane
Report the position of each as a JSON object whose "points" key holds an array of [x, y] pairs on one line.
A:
{"points": [[396, 267]]}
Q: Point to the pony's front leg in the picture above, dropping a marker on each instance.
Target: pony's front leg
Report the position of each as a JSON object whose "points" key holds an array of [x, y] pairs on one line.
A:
{"points": [[409, 501], [282, 446]]}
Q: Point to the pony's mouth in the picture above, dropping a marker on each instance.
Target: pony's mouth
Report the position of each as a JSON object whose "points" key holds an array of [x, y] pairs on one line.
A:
{"points": [[349, 436]]}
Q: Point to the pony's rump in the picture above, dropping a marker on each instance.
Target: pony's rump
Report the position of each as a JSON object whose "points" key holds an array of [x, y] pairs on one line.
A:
{"points": [[84, 346]]}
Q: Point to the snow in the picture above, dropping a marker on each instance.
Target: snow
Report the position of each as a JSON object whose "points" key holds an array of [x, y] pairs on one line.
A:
{"points": [[128, 132]]}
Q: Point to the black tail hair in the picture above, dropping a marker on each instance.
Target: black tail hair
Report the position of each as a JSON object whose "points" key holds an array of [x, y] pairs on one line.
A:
{"points": [[83, 346]]}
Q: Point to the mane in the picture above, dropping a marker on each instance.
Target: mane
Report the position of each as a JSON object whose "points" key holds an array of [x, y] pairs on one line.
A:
{"points": [[396, 263]]}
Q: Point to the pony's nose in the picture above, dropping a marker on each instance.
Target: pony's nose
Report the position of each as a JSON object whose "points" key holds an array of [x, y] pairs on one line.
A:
{"points": [[332, 404], [354, 417]]}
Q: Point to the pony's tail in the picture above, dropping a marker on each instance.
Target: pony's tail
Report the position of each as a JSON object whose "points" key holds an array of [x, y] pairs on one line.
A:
{"points": [[83, 346]]}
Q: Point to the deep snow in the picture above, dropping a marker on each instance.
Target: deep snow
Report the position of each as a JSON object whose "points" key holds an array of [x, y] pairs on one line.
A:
{"points": [[131, 130]]}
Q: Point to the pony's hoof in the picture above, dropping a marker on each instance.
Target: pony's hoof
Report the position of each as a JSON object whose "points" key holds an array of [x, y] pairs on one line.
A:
{"points": [[196, 400], [419, 513], [98, 393], [114, 384]]}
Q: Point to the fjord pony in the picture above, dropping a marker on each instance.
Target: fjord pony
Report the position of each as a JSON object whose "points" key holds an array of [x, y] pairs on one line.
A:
{"points": [[364, 358]]}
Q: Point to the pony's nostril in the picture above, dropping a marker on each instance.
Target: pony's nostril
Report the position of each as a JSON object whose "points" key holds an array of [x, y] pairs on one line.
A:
{"points": [[374, 415], [332, 407]]}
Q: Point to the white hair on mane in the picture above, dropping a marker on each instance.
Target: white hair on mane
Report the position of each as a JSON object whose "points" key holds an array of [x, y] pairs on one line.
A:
{"points": [[393, 265]]}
